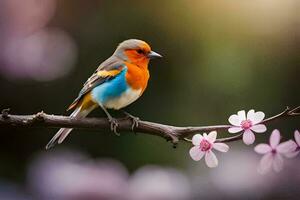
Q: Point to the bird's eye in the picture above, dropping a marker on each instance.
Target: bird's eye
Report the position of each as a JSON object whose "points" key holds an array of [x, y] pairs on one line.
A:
{"points": [[140, 51]]}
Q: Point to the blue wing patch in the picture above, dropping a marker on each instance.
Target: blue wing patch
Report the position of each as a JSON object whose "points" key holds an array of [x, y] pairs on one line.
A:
{"points": [[111, 88]]}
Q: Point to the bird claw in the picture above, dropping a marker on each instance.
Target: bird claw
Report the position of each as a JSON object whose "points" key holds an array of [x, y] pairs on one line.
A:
{"points": [[113, 125], [135, 120]]}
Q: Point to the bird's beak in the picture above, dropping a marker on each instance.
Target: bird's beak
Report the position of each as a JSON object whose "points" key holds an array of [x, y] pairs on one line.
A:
{"points": [[153, 54]]}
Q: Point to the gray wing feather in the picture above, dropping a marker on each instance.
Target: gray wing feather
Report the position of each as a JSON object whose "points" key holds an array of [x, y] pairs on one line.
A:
{"points": [[111, 63]]}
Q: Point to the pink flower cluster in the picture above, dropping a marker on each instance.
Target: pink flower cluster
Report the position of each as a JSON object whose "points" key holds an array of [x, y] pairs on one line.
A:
{"points": [[249, 123]]}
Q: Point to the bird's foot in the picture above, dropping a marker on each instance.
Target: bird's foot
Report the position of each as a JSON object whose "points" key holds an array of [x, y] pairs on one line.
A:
{"points": [[135, 120], [113, 125]]}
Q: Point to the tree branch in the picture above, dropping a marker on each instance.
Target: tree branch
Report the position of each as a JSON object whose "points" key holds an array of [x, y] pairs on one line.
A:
{"points": [[172, 133]]}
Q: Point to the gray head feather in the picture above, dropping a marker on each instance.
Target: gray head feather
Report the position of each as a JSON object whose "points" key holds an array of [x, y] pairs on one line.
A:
{"points": [[128, 44]]}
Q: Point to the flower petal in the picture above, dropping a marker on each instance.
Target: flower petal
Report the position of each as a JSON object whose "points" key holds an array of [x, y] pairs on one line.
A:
{"points": [[212, 136], [297, 137], [259, 128], [196, 153], [234, 120], [242, 115], [286, 147], [277, 162], [235, 129], [262, 148], [265, 163], [275, 138], [211, 159], [292, 154], [221, 147], [197, 139], [250, 114], [248, 137], [258, 117]]}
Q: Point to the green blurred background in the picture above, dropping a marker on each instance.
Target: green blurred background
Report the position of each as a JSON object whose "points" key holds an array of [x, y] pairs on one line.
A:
{"points": [[218, 57]]}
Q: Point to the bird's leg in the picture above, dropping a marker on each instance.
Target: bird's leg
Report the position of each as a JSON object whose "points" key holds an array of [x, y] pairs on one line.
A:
{"points": [[113, 122], [135, 120]]}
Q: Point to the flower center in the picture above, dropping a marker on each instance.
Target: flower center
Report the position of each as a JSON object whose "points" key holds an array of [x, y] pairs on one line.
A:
{"points": [[205, 145], [246, 124]]}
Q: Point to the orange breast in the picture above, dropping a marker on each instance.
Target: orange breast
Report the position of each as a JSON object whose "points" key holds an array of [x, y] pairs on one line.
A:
{"points": [[137, 76]]}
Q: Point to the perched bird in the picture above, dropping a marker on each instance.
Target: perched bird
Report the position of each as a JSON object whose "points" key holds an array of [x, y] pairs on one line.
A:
{"points": [[118, 81]]}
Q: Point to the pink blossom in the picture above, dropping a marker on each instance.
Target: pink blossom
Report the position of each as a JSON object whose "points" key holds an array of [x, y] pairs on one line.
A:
{"points": [[248, 124], [297, 144], [204, 145], [274, 152]]}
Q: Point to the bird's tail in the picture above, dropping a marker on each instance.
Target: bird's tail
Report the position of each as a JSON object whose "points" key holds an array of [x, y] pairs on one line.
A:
{"points": [[61, 135]]}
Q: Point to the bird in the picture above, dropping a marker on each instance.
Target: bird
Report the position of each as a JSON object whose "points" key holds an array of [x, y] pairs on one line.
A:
{"points": [[117, 82]]}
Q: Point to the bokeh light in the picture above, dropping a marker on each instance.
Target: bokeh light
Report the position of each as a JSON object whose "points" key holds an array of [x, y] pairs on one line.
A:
{"points": [[30, 50]]}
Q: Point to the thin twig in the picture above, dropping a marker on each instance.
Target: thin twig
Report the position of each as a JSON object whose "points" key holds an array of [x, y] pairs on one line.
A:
{"points": [[172, 133]]}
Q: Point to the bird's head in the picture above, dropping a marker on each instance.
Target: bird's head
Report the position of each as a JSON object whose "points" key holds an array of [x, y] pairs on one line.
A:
{"points": [[136, 52]]}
